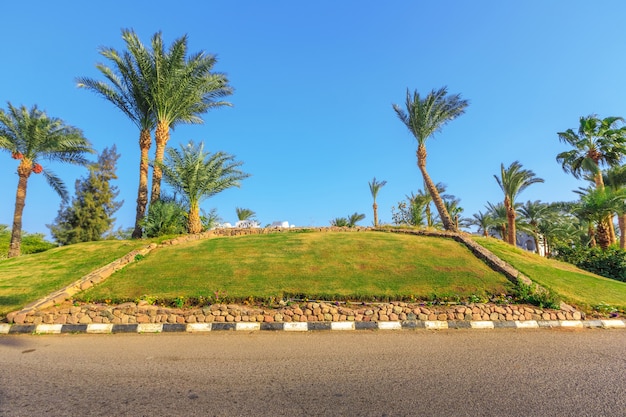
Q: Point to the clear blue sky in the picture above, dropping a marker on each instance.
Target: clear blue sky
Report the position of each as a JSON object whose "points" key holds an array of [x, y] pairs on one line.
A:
{"points": [[314, 85]]}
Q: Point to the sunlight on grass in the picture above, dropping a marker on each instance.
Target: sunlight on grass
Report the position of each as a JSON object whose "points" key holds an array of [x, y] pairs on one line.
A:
{"points": [[572, 284], [316, 265]]}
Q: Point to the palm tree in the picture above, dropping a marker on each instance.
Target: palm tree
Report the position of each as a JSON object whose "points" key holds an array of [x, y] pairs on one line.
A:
{"points": [[244, 214], [499, 220], [512, 181], [615, 179], [31, 136], [534, 212], [595, 206], [483, 221], [353, 219], [424, 117], [375, 187], [198, 175], [181, 89], [127, 89], [597, 142]]}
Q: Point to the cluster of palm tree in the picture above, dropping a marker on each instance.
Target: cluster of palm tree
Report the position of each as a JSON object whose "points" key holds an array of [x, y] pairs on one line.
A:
{"points": [[158, 88], [350, 221]]}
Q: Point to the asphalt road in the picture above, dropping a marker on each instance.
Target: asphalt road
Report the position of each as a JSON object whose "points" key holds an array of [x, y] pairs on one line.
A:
{"points": [[363, 373]]}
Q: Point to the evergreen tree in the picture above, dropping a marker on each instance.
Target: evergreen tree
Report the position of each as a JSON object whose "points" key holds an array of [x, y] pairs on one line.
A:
{"points": [[89, 216]]}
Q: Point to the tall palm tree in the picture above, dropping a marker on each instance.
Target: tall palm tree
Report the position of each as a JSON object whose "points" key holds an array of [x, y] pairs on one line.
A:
{"points": [[597, 143], [375, 187], [615, 179], [534, 212], [198, 175], [512, 181], [181, 89], [127, 89], [32, 136], [424, 117]]}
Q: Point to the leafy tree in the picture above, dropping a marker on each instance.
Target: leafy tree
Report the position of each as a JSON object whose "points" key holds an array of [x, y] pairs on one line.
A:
{"points": [[375, 187], [424, 117], [597, 143], [198, 175], [127, 89], [512, 181], [91, 214], [244, 214], [31, 242], [31, 136], [409, 212]]}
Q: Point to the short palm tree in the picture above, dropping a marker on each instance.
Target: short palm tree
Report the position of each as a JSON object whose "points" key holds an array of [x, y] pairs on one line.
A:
{"points": [[375, 187], [31, 136], [533, 213], [353, 219], [597, 143], [424, 117], [483, 221], [127, 89], [499, 220], [181, 89], [244, 214], [512, 181], [595, 206], [615, 179], [198, 175]]}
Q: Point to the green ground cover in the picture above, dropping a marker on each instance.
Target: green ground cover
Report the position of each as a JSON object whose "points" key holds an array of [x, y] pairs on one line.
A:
{"points": [[357, 266], [574, 285], [29, 277]]}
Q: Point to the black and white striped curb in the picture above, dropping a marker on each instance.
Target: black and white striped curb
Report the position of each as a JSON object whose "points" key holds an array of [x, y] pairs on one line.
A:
{"points": [[304, 326]]}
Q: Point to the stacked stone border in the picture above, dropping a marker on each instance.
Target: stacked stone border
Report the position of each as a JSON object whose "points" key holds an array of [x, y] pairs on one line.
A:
{"points": [[46, 314]]}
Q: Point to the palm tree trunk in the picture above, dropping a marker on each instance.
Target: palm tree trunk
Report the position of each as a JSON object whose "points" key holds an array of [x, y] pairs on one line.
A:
{"points": [[611, 229], [604, 237], [194, 224], [161, 136], [432, 189], [510, 215], [23, 171], [375, 207], [142, 192], [621, 220]]}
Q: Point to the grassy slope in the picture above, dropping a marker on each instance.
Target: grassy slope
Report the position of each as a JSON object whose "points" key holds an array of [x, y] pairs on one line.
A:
{"points": [[29, 277], [317, 265], [574, 285]]}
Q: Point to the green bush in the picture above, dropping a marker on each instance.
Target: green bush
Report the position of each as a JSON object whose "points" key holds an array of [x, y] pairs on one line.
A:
{"points": [[610, 263]]}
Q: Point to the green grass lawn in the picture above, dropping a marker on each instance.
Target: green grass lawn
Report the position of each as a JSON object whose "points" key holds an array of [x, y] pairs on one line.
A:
{"points": [[572, 284], [29, 277], [364, 265]]}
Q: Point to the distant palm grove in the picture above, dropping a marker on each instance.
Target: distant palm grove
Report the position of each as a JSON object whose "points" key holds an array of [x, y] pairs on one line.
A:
{"points": [[157, 87]]}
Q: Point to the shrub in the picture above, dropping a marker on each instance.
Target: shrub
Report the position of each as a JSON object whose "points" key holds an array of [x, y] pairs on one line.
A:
{"points": [[610, 263]]}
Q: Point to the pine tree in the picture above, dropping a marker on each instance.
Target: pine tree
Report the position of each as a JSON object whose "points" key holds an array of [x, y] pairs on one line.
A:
{"points": [[89, 217]]}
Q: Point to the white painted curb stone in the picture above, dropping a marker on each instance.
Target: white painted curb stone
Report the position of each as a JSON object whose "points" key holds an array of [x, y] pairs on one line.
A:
{"points": [[572, 323], [4, 328], [295, 326], [49, 328], [389, 325], [613, 324], [481, 324], [99, 328], [149, 327], [341, 325], [198, 327], [436, 325], [248, 326]]}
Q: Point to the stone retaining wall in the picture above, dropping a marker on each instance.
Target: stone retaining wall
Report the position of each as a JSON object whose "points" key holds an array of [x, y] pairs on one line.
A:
{"points": [[130, 313]]}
